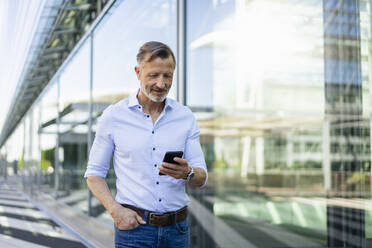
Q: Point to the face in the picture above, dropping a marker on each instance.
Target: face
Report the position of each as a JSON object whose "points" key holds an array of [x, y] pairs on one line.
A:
{"points": [[156, 78]]}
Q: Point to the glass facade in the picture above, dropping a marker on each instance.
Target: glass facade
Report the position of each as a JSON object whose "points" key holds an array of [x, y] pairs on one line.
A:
{"points": [[281, 91], [49, 139]]}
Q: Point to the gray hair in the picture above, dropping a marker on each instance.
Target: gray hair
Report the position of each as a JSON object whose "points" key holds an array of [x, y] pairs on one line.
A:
{"points": [[156, 49]]}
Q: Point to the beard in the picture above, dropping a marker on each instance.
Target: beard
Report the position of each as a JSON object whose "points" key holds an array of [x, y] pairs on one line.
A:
{"points": [[154, 98]]}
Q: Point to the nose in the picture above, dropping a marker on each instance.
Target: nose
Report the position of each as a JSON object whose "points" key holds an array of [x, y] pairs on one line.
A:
{"points": [[160, 83]]}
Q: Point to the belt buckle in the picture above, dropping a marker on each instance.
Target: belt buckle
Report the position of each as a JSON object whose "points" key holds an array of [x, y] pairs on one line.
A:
{"points": [[150, 217]]}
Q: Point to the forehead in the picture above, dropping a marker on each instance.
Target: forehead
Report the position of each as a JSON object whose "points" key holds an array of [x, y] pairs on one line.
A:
{"points": [[159, 64]]}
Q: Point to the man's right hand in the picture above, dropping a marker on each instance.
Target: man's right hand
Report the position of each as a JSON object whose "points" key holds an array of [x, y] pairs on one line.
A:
{"points": [[125, 218]]}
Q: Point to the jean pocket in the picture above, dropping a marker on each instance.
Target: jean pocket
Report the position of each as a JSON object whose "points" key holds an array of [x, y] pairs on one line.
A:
{"points": [[183, 226], [127, 230], [134, 237]]}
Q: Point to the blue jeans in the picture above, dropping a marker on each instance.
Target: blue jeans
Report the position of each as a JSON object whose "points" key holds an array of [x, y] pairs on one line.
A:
{"points": [[172, 236]]}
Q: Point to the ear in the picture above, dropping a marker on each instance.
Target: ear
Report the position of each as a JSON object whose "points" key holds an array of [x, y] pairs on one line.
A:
{"points": [[137, 70]]}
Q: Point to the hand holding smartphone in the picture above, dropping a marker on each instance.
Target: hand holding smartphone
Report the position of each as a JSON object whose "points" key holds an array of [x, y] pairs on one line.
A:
{"points": [[169, 156]]}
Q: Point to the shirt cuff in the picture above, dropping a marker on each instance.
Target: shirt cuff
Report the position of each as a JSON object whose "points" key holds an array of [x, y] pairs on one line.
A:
{"points": [[206, 173], [91, 171]]}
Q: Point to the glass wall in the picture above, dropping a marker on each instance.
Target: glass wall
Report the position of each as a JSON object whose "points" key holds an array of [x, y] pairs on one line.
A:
{"points": [[14, 150], [74, 99], [48, 138], [129, 24], [34, 161], [278, 89], [281, 91], [23, 151]]}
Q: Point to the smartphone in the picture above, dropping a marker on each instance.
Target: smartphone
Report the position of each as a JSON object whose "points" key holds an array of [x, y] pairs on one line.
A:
{"points": [[169, 156]]}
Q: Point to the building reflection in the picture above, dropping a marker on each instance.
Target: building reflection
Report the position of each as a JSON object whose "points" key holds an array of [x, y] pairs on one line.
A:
{"points": [[281, 93]]}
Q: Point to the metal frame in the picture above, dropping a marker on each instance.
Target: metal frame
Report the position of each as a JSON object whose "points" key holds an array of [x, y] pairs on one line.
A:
{"points": [[56, 151], [90, 120], [181, 51], [60, 30], [60, 34], [72, 107], [57, 45]]}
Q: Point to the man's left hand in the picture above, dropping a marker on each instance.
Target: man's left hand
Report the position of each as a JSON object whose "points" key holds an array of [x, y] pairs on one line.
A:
{"points": [[178, 171]]}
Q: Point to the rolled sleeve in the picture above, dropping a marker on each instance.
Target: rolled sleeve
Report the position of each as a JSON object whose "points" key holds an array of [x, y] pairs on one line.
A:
{"points": [[102, 148], [193, 151]]}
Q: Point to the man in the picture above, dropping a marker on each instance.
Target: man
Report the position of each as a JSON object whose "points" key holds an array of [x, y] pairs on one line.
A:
{"points": [[149, 210]]}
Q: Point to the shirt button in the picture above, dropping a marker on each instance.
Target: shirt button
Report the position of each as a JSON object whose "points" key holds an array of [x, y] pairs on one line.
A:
{"points": [[155, 165], [157, 182], [148, 116], [152, 132], [139, 107], [160, 200], [153, 148]]}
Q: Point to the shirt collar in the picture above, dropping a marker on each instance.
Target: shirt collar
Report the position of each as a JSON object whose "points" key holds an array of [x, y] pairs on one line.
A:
{"points": [[133, 101]]}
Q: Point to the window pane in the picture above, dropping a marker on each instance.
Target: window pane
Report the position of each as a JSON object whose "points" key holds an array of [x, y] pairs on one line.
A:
{"points": [[73, 128], [48, 140], [281, 93], [117, 39]]}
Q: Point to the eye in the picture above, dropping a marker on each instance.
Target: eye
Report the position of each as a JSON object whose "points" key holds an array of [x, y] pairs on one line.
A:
{"points": [[168, 75]]}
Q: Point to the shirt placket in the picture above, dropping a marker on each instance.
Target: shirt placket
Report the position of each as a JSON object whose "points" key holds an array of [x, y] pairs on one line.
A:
{"points": [[158, 178], [154, 152]]}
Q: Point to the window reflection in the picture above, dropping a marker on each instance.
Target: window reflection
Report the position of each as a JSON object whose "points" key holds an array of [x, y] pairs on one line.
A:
{"points": [[48, 137], [73, 128], [128, 25], [281, 92], [277, 91]]}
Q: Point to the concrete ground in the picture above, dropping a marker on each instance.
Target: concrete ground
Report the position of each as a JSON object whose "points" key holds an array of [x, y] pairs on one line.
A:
{"points": [[22, 224]]}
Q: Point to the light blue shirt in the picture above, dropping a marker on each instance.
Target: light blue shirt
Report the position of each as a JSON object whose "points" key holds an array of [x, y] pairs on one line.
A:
{"points": [[138, 146]]}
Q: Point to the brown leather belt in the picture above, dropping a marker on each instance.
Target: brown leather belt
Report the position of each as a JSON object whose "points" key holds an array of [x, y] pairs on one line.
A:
{"points": [[157, 219]]}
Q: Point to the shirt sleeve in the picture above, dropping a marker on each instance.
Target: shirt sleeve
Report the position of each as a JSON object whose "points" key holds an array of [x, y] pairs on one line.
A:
{"points": [[193, 151], [102, 148]]}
